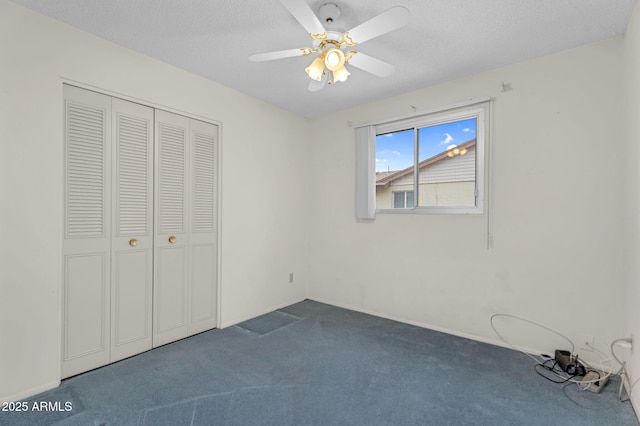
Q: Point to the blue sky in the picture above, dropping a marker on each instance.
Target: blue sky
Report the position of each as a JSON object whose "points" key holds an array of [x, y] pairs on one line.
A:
{"points": [[394, 151]]}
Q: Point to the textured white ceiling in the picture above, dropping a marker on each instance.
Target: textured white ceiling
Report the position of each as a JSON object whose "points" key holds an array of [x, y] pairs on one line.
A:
{"points": [[445, 39]]}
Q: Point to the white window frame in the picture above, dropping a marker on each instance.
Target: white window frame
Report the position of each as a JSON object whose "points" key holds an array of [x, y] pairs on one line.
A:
{"points": [[365, 165]]}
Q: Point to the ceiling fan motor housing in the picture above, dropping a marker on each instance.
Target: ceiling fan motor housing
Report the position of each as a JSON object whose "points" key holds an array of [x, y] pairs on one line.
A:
{"points": [[329, 13]]}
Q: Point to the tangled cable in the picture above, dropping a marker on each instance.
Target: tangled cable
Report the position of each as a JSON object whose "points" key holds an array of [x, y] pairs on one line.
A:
{"points": [[563, 376]]}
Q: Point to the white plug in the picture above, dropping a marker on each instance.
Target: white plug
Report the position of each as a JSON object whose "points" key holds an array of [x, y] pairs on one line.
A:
{"points": [[624, 343]]}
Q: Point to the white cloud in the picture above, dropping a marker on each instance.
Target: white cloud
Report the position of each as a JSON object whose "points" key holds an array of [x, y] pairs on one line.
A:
{"points": [[447, 139], [388, 152]]}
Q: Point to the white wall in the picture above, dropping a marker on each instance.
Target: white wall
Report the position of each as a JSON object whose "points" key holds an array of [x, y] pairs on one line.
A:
{"points": [[632, 89], [263, 232], [557, 184], [558, 193]]}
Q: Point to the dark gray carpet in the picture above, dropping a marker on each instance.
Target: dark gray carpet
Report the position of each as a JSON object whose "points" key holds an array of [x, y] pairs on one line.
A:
{"points": [[267, 323], [315, 364]]}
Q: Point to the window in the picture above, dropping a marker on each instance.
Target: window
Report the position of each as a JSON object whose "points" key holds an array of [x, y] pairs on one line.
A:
{"points": [[428, 163], [402, 199]]}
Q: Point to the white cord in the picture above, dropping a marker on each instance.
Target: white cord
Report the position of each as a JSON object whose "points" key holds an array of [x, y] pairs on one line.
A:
{"points": [[608, 370], [530, 322], [613, 353], [624, 377], [568, 379]]}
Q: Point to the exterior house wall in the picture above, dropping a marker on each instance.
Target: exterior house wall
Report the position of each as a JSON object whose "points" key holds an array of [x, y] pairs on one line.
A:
{"points": [[384, 195], [455, 169], [448, 194], [449, 181], [431, 194]]}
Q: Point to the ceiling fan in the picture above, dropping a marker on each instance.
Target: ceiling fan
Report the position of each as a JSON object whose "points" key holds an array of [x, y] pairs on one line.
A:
{"points": [[331, 46]]}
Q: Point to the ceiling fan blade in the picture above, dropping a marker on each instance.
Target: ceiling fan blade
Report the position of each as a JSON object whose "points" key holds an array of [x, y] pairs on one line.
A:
{"points": [[279, 54], [371, 65], [315, 86], [303, 14], [390, 20]]}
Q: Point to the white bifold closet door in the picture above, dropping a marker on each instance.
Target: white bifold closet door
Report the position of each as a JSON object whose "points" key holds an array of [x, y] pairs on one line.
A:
{"points": [[139, 265], [132, 229], [87, 232], [185, 227], [108, 239]]}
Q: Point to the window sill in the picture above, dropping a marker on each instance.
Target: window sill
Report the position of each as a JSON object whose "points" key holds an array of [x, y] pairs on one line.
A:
{"points": [[432, 210]]}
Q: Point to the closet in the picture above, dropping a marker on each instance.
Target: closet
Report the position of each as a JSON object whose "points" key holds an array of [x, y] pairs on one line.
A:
{"points": [[140, 229]]}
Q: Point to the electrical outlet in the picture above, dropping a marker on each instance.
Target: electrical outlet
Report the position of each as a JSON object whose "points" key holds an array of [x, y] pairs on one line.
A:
{"points": [[587, 342], [290, 277]]}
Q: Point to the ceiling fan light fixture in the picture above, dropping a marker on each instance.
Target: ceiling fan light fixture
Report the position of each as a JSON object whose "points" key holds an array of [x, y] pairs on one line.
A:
{"points": [[341, 74], [334, 59], [315, 69]]}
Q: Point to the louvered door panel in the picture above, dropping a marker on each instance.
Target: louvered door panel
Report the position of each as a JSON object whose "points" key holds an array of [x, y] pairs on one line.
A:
{"points": [[204, 183], [202, 240], [172, 177], [86, 170], [86, 243], [132, 242], [171, 239], [133, 167]]}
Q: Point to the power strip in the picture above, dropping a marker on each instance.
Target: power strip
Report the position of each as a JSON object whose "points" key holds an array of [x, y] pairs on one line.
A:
{"points": [[593, 382]]}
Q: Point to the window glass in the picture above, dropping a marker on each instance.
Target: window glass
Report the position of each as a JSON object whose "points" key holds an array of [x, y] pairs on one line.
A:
{"points": [[395, 155], [446, 152], [402, 199], [447, 164]]}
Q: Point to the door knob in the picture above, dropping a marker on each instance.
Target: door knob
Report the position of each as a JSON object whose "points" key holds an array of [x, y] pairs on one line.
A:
{"points": [[133, 242], [172, 239]]}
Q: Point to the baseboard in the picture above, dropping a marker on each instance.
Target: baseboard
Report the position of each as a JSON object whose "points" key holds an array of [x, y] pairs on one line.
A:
{"points": [[635, 404], [263, 312], [495, 342], [30, 392]]}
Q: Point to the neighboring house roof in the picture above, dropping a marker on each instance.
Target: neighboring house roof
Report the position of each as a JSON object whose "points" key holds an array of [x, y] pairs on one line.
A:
{"points": [[384, 178], [382, 175]]}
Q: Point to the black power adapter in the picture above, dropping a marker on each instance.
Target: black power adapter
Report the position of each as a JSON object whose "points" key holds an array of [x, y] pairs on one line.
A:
{"points": [[569, 363]]}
